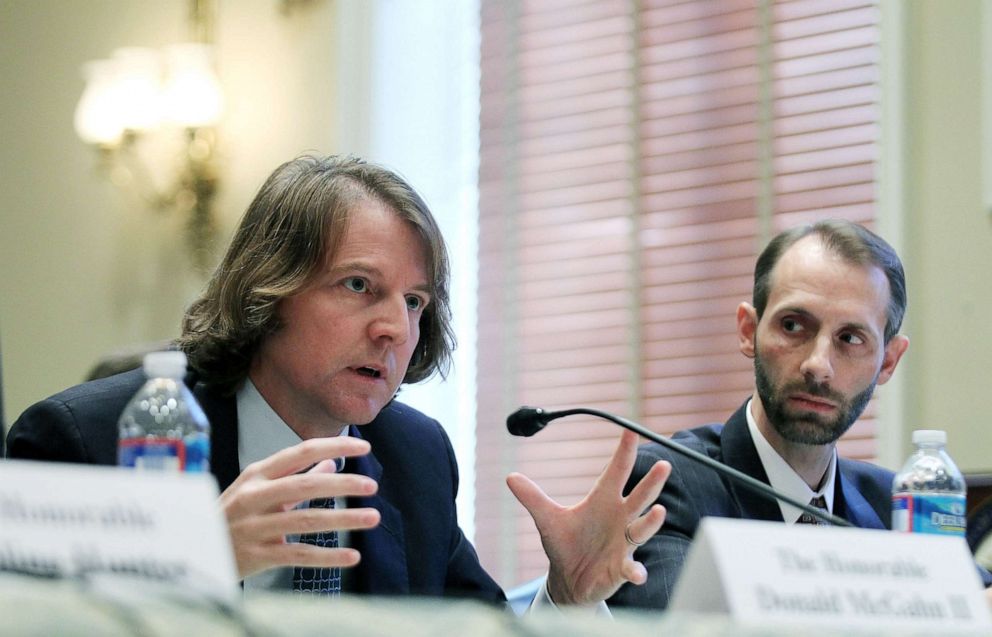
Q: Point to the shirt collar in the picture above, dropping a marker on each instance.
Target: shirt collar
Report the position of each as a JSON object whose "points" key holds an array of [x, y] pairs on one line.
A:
{"points": [[261, 432], [783, 478]]}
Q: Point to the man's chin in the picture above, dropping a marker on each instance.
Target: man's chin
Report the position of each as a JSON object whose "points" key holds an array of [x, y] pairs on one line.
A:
{"points": [[357, 406], [809, 429], [364, 417], [353, 413]]}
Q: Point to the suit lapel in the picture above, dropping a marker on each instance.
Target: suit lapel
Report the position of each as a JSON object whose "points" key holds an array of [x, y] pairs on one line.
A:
{"points": [[850, 504], [383, 568], [740, 453], [222, 413]]}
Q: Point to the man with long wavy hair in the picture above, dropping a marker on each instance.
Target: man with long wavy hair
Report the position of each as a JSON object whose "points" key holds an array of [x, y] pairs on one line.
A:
{"points": [[333, 293]]}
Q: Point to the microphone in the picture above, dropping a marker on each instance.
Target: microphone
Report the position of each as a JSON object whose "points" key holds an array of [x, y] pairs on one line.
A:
{"points": [[527, 421]]}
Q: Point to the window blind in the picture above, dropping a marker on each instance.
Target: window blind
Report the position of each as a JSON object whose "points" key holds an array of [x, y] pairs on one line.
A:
{"points": [[635, 156]]}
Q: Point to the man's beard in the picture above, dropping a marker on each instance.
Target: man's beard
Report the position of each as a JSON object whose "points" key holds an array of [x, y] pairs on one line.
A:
{"points": [[808, 428]]}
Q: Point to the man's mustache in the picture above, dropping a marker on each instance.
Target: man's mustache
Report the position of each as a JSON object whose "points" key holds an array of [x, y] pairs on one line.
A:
{"points": [[820, 390]]}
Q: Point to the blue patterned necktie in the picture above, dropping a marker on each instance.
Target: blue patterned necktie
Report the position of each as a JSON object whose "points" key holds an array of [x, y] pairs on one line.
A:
{"points": [[319, 580], [807, 518]]}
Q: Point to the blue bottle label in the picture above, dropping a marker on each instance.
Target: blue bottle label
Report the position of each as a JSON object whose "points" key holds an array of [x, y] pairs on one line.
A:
{"points": [[191, 454], [939, 513], [197, 453]]}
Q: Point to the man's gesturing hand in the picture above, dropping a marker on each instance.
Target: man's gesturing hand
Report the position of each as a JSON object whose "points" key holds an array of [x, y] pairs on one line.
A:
{"points": [[260, 512], [589, 544]]}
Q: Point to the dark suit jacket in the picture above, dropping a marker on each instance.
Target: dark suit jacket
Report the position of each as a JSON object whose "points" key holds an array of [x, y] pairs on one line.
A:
{"points": [[418, 548], [862, 496]]}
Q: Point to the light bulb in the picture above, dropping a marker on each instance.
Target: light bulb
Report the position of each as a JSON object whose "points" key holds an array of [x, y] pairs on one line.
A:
{"points": [[193, 96], [139, 87], [98, 119]]}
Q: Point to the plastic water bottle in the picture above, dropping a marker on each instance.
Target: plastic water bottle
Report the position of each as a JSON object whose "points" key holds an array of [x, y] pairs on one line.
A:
{"points": [[163, 427], [928, 493]]}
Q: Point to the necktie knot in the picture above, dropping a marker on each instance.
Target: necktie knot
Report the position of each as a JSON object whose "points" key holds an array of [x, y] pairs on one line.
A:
{"points": [[819, 502]]}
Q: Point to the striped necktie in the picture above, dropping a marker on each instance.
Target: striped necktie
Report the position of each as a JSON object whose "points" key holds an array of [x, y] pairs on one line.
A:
{"points": [[319, 580]]}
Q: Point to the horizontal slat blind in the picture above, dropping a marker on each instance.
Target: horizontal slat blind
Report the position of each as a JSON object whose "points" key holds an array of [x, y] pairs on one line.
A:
{"points": [[699, 143], [825, 128], [555, 178], [620, 188]]}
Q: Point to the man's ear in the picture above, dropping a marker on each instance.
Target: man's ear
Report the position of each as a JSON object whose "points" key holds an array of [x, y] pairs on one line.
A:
{"points": [[894, 350], [747, 326]]}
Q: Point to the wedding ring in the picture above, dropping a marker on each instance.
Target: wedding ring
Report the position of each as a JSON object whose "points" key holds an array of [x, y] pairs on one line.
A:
{"points": [[630, 540]]}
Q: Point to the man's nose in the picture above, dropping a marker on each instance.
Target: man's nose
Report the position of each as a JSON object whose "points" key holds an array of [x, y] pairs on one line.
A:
{"points": [[392, 321], [817, 365]]}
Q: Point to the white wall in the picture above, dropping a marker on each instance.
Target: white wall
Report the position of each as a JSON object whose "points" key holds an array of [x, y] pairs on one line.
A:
{"points": [[409, 87], [84, 269], [947, 227]]}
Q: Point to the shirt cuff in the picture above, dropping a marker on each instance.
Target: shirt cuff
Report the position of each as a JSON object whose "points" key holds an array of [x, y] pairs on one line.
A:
{"points": [[542, 602]]}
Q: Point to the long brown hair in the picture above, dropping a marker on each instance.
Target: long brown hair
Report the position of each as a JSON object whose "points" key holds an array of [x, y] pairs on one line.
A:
{"points": [[297, 218]]}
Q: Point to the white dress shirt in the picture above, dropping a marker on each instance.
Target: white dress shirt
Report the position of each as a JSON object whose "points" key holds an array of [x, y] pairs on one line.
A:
{"points": [[261, 433], [784, 478]]}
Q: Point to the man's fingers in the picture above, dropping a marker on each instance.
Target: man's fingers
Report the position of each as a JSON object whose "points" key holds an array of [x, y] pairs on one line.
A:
{"points": [[259, 505], [643, 528], [287, 492], [255, 558], [325, 466], [299, 554], [634, 572], [532, 497], [306, 454], [649, 487], [309, 486], [274, 527], [618, 470]]}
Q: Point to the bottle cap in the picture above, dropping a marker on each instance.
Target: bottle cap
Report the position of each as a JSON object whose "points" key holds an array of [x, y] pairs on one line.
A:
{"points": [[929, 436], [168, 364]]}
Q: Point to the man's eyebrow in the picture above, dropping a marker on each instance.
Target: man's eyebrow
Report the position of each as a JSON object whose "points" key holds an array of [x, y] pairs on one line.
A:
{"points": [[859, 327], [796, 310], [356, 266]]}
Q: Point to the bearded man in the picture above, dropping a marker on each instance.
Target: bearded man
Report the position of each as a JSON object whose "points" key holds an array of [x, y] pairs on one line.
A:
{"points": [[823, 331]]}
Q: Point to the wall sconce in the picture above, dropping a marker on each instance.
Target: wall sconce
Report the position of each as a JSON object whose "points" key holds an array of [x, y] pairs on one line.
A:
{"points": [[139, 92]]}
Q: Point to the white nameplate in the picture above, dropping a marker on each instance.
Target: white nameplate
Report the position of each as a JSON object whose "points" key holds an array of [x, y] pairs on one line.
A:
{"points": [[771, 573], [106, 523]]}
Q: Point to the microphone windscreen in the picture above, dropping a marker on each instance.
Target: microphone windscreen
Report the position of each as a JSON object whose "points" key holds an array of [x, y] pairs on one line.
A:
{"points": [[525, 421]]}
